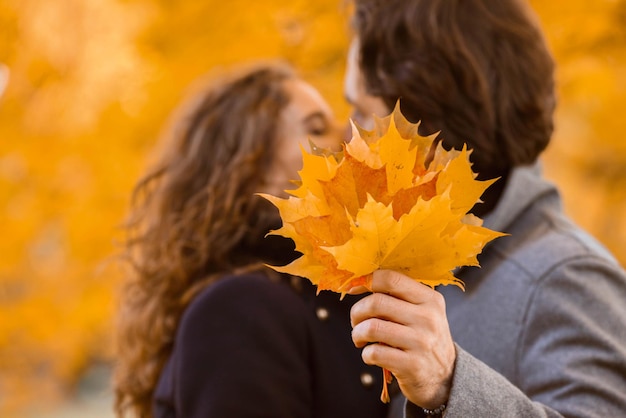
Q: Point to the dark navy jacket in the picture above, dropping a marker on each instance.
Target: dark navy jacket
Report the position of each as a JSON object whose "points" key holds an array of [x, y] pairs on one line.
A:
{"points": [[250, 347]]}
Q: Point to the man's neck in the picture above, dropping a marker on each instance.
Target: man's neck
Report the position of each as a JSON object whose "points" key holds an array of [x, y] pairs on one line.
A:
{"points": [[491, 197]]}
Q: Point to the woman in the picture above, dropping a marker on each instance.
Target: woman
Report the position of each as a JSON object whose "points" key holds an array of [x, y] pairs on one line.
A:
{"points": [[206, 330]]}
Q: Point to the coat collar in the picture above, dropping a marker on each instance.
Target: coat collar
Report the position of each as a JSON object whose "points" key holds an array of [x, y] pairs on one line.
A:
{"points": [[525, 185]]}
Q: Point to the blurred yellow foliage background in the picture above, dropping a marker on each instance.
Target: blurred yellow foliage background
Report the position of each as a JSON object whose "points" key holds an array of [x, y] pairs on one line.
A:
{"points": [[92, 83]]}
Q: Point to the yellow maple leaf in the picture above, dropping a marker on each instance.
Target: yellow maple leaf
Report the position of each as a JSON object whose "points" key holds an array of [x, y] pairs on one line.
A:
{"points": [[383, 205], [393, 200]]}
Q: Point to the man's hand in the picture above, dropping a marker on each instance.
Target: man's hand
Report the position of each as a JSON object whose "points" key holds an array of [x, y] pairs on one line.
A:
{"points": [[403, 328]]}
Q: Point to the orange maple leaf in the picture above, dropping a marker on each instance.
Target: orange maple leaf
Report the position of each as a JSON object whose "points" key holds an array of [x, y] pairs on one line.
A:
{"points": [[387, 202]]}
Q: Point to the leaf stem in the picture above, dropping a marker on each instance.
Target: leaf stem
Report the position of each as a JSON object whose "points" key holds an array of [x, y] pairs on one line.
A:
{"points": [[387, 379]]}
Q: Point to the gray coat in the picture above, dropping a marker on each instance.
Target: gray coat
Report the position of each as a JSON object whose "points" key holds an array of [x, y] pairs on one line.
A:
{"points": [[541, 327]]}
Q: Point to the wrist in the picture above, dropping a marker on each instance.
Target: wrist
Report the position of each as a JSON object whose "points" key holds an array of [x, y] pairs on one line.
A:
{"points": [[438, 400], [438, 397]]}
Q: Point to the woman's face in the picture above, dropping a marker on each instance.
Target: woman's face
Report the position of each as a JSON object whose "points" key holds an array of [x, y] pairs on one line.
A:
{"points": [[306, 117]]}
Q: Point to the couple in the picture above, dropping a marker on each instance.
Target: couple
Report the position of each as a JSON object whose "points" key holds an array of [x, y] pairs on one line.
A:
{"points": [[207, 331]]}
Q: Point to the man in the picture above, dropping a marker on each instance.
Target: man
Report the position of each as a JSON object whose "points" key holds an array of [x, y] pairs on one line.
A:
{"points": [[541, 327]]}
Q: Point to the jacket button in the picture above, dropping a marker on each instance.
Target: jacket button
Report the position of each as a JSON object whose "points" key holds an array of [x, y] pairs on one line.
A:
{"points": [[322, 314], [367, 380]]}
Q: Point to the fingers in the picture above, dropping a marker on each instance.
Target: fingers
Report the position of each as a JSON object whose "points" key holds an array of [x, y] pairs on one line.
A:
{"points": [[384, 356], [401, 286], [376, 330], [399, 299], [378, 305], [407, 365]]}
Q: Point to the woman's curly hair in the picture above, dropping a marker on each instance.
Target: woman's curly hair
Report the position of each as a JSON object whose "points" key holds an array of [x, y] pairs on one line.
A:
{"points": [[194, 218]]}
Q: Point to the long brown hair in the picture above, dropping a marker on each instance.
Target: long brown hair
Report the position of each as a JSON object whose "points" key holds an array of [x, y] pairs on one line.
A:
{"points": [[194, 217], [478, 71]]}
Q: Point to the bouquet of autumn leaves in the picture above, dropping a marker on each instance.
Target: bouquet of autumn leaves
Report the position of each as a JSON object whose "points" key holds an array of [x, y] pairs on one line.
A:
{"points": [[385, 202]]}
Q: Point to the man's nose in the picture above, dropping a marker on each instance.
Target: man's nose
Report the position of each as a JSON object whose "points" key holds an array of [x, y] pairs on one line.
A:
{"points": [[347, 132]]}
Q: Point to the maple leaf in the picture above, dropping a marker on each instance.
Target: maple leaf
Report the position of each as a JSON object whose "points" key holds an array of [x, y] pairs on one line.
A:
{"points": [[381, 206], [392, 200]]}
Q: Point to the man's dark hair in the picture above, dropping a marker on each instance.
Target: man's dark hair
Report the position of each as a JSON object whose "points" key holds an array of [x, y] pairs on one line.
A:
{"points": [[477, 70]]}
